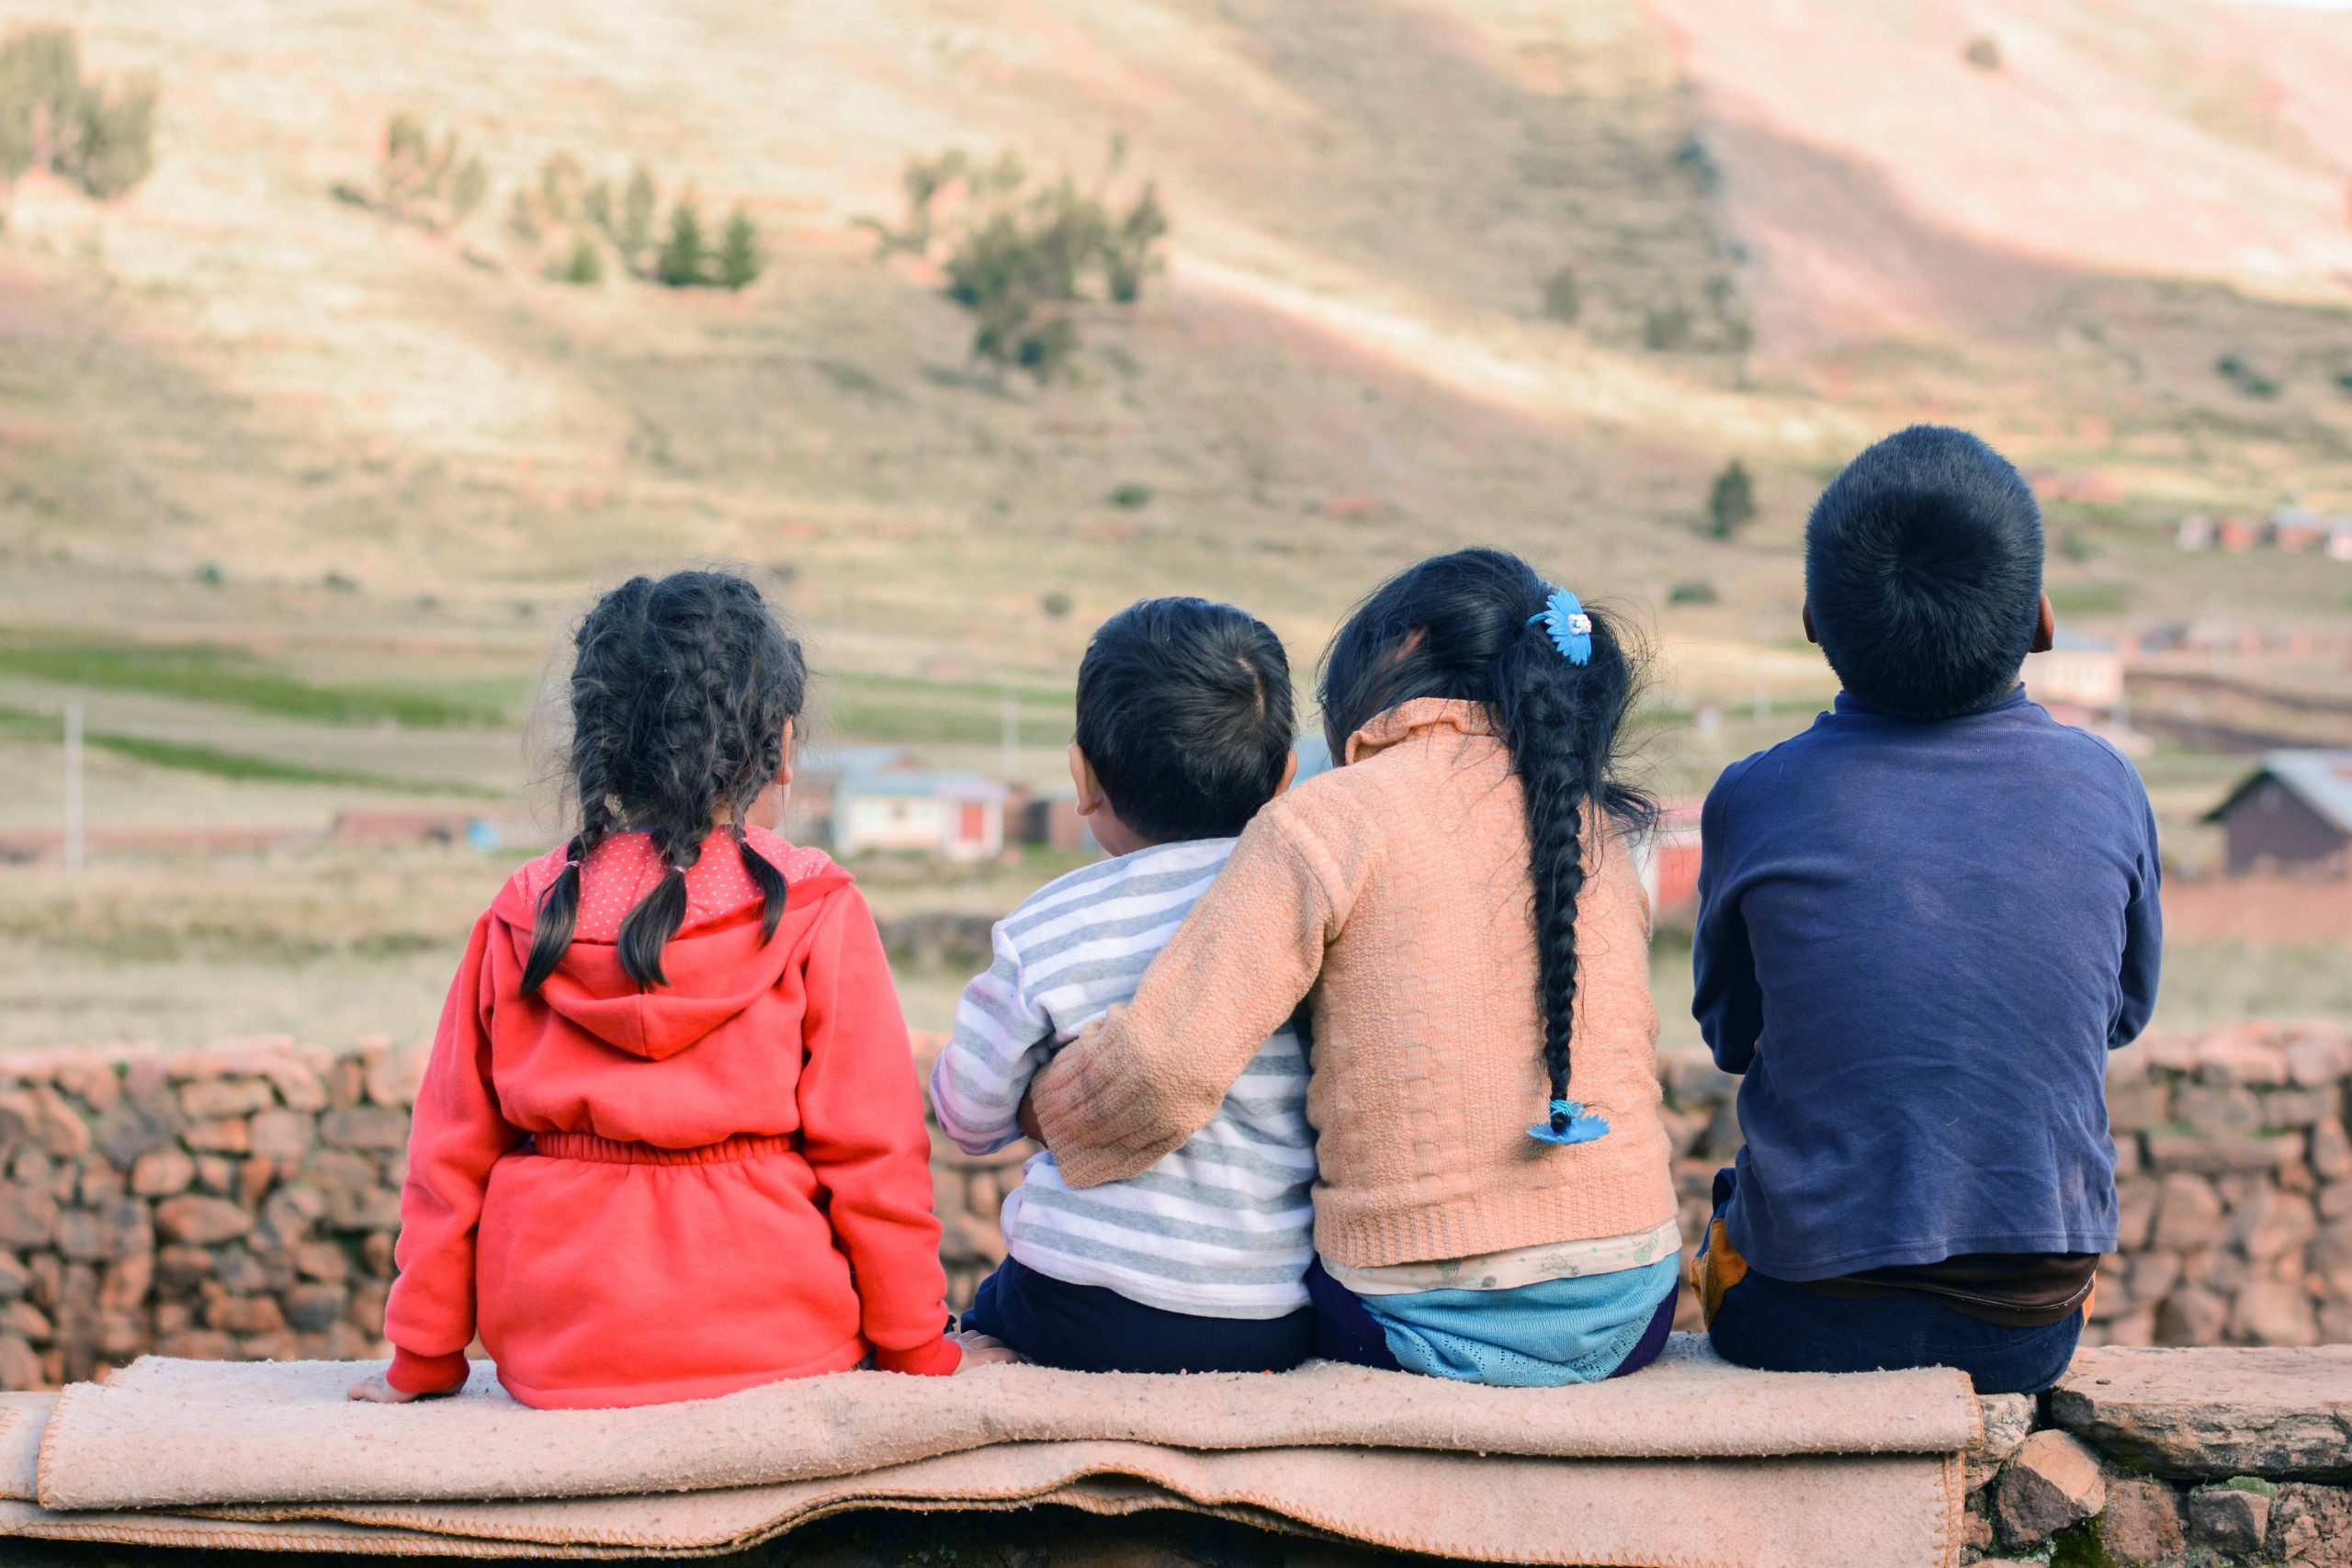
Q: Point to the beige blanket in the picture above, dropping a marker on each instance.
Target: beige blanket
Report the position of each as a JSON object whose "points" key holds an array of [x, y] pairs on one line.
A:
{"points": [[1819, 1512], [164, 1433], [1692, 1464]]}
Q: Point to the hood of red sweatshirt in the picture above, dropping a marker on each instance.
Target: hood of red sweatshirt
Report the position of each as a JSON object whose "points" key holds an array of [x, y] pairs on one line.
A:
{"points": [[715, 966]]}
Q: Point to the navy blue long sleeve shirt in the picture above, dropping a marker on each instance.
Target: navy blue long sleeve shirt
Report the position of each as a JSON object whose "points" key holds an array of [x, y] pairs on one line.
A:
{"points": [[1918, 941]]}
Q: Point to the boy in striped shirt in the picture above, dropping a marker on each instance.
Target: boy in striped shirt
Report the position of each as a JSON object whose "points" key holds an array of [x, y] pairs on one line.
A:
{"points": [[1198, 1264]]}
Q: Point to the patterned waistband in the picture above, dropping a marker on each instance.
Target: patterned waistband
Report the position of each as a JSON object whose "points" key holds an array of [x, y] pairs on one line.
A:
{"points": [[612, 1151]]}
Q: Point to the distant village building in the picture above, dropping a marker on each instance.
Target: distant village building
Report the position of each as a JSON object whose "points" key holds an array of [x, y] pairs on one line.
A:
{"points": [[1668, 859], [952, 816], [2078, 671], [2293, 814]]}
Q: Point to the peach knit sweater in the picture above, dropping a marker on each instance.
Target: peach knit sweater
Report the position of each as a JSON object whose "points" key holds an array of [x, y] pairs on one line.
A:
{"points": [[1393, 895]]}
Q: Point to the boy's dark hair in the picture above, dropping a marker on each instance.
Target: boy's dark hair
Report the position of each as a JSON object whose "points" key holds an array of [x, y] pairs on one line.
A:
{"points": [[1459, 626], [1923, 573], [1184, 712], [680, 693]]}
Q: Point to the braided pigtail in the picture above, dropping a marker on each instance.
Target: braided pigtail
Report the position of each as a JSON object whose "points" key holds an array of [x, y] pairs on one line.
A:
{"points": [[1480, 625], [681, 690]]}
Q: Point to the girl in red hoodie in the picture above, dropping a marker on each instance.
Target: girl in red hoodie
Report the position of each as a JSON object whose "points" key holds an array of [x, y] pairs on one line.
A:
{"points": [[671, 1144]]}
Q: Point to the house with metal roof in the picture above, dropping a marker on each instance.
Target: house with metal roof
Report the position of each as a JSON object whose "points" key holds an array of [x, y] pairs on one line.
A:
{"points": [[2292, 814]]}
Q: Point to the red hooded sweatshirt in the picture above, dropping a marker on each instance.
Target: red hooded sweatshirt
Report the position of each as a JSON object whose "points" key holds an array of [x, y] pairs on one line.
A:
{"points": [[645, 1196]]}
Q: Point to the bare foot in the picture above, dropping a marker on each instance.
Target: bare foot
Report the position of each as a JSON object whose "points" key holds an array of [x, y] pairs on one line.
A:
{"points": [[983, 1350]]}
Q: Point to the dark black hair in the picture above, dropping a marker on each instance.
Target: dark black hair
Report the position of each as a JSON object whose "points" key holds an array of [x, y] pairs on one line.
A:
{"points": [[1923, 573], [1184, 712], [1457, 626], [681, 689]]}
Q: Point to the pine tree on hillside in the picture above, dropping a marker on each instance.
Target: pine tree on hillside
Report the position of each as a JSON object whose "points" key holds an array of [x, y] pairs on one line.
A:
{"points": [[680, 263], [637, 203], [1731, 503], [740, 259]]}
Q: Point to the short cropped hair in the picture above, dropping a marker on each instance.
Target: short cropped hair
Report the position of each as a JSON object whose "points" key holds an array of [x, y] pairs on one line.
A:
{"points": [[1923, 572], [1184, 710]]}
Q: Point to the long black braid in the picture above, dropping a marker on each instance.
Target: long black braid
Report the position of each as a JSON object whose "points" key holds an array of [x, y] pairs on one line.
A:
{"points": [[1457, 627], [681, 690]]}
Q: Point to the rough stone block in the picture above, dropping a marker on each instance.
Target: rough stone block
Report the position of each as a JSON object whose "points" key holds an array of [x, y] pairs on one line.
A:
{"points": [[57, 1126], [227, 1135], [2274, 1312], [2273, 1224], [2331, 1150], [20, 1369], [201, 1221], [393, 1078], [206, 1099], [15, 1278], [2234, 1519], [26, 1319], [180, 1270], [2189, 1213], [2150, 1276], [2299, 1107], [137, 1124], [2316, 1061], [2171, 1152], [2135, 1105], [2207, 1414], [2136, 1199], [2217, 1108], [2008, 1421], [309, 1308], [198, 1345], [365, 1127], [2141, 1524], [161, 1173], [245, 1315], [2311, 1527], [27, 1215], [126, 1282], [283, 1135], [2051, 1482], [78, 1235]]}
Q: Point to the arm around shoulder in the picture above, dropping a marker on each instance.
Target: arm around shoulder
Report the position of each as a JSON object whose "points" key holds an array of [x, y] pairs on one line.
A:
{"points": [[1135, 1085]]}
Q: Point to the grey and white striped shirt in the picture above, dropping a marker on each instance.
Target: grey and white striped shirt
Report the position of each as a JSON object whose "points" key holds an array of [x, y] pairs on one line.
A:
{"points": [[1223, 1227]]}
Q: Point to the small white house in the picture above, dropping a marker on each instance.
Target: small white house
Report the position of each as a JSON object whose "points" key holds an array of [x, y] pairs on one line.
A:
{"points": [[2080, 671], [948, 815]]}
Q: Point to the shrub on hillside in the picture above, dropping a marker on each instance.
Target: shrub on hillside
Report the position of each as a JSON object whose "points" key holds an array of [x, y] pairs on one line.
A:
{"points": [[1563, 297], [1692, 591], [434, 185], [99, 136], [1024, 257], [740, 257], [680, 265], [1730, 500]]}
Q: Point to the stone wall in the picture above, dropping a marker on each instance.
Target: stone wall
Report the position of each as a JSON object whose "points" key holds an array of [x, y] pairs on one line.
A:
{"points": [[2210, 1458], [242, 1200]]}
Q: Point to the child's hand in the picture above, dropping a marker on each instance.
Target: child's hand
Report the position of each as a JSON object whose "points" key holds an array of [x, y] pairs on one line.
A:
{"points": [[377, 1391], [1028, 1114], [982, 1350]]}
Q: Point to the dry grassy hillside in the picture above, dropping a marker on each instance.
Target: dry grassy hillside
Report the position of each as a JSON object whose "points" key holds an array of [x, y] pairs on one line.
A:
{"points": [[299, 499]]}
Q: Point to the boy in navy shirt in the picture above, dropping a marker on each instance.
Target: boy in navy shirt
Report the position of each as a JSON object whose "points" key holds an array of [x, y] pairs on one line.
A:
{"points": [[1923, 923]]}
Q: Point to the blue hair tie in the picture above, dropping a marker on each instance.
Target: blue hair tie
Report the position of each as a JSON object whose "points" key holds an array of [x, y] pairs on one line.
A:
{"points": [[1581, 1128], [1570, 629]]}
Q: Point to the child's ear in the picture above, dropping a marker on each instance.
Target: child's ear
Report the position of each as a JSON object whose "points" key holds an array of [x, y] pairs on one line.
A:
{"points": [[1290, 771], [1806, 615], [1091, 798], [2045, 627], [784, 769]]}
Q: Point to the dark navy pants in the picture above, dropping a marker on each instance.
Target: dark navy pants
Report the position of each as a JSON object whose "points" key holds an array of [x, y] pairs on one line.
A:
{"points": [[1086, 1329], [1784, 1327]]}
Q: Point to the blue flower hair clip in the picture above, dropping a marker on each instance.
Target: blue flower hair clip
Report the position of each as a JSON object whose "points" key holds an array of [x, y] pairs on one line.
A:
{"points": [[1566, 623], [1578, 1128]]}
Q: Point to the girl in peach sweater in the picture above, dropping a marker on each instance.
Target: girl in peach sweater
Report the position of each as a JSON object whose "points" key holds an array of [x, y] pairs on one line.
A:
{"points": [[1458, 906]]}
